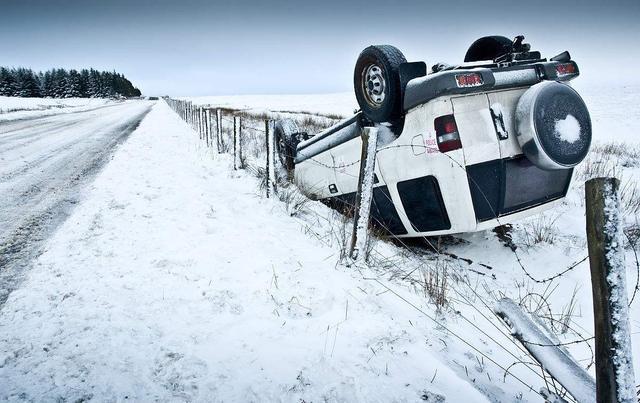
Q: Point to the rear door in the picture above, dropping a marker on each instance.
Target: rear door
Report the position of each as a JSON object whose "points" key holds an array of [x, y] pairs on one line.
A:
{"points": [[475, 126]]}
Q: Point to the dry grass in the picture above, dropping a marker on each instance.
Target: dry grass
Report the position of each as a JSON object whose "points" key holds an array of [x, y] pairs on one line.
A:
{"points": [[613, 160], [295, 202], [435, 281], [542, 229]]}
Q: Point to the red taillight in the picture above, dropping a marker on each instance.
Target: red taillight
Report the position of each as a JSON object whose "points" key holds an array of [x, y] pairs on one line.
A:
{"points": [[447, 133], [565, 69], [469, 80]]}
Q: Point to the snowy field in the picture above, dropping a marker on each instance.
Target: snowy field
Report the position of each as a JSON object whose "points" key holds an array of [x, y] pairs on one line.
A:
{"points": [[615, 112], [14, 108], [340, 104], [176, 280]]}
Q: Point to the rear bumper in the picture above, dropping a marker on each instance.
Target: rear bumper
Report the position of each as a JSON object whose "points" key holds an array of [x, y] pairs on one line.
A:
{"points": [[424, 89]]}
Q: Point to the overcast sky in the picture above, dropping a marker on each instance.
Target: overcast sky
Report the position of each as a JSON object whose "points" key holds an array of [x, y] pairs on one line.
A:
{"points": [[198, 47]]}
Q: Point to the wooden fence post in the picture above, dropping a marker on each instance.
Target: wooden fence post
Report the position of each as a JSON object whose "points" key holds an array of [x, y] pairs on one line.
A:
{"points": [[214, 134], [614, 365], [235, 144], [268, 166], [364, 194], [207, 119], [240, 164], [204, 126], [221, 132]]}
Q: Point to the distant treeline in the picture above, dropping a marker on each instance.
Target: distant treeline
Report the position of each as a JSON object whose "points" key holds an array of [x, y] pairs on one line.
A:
{"points": [[61, 83]]}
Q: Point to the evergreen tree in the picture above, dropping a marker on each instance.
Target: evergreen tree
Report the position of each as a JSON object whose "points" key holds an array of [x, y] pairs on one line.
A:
{"points": [[47, 84], [26, 84], [60, 83], [84, 83], [7, 82], [59, 79], [72, 85]]}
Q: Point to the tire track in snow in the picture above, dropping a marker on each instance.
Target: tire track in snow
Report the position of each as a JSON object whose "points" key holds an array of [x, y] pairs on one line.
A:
{"points": [[40, 197]]}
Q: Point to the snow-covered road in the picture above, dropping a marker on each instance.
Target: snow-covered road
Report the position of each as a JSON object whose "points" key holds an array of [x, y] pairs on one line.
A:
{"points": [[44, 162]]}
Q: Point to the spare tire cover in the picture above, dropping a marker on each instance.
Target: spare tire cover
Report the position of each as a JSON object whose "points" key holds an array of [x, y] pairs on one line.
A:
{"points": [[553, 126]]}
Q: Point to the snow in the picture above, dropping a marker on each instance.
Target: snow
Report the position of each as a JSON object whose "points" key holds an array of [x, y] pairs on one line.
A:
{"points": [[341, 104], [14, 108], [174, 281], [568, 129], [619, 303]]}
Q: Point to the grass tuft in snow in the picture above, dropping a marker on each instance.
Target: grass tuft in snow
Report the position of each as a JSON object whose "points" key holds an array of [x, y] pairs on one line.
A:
{"points": [[540, 229]]}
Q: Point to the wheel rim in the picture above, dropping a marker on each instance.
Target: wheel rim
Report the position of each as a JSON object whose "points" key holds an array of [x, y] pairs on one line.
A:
{"points": [[374, 85]]}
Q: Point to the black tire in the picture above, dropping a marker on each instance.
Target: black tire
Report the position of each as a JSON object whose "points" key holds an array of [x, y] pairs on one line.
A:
{"points": [[488, 48], [376, 80], [286, 137]]}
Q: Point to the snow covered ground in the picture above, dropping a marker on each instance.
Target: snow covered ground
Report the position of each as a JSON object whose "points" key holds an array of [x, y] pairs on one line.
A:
{"points": [[14, 108], [176, 280]]}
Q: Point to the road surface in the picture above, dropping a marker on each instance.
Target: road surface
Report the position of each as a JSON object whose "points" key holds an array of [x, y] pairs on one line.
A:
{"points": [[44, 163]]}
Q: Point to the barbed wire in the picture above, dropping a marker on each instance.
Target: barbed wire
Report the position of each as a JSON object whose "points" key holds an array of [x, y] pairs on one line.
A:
{"points": [[520, 264]]}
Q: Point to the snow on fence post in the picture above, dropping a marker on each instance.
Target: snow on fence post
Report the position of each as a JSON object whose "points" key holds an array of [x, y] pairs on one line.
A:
{"points": [[364, 193], [207, 122], [204, 127], [217, 133], [220, 132], [235, 144], [272, 153], [200, 123], [192, 117], [239, 143], [270, 165], [615, 380]]}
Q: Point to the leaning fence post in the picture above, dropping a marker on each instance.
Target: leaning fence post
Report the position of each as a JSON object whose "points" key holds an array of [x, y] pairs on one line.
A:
{"points": [[614, 365], [364, 193]]}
